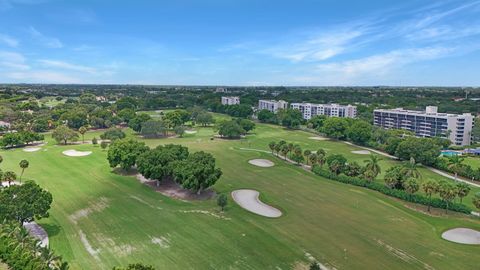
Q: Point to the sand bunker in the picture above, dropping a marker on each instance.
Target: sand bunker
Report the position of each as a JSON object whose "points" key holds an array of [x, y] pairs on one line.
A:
{"points": [[462, 236], [190, 131], [12, 183], [75, 153], [38, 232], [31, 149], [318, 138], [261, 162], [248, 199], [362, 152]]}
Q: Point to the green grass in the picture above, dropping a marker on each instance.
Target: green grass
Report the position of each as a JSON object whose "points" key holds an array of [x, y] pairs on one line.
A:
{"points": [[473, 161], [321, 217]]}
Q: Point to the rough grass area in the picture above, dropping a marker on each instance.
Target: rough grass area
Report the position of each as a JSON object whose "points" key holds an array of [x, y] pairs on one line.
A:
{"points": [[101, 219]]}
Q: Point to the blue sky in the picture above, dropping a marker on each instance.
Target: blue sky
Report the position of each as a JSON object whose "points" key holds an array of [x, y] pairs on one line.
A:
{"points": [[224, 42]]}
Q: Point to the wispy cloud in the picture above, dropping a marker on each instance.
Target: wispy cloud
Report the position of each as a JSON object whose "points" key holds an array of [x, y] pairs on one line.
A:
{"points": [[12, 61], [8, 40], [65, 65], [49, 42]]}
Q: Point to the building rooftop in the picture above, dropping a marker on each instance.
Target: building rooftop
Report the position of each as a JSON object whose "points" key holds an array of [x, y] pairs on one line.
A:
{"points": [[430, 110]]}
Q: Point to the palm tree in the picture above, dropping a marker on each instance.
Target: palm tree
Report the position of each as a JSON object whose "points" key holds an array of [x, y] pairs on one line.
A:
{"points": [[290, 148], [447, 192], [307, 153], [476, 200], [410, 169], [321, 154], [23, 164], [411, 185], [455, 164], [285, 151], [462, 190], [9, 176], [272, 145], [313, 158], [372, 165], [82, 130], [430, 188]]}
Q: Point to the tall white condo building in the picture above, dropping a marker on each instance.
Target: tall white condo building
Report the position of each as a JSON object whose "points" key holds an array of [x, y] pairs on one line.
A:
{"points": [[309, 110], [272, 105], [429, 123]]}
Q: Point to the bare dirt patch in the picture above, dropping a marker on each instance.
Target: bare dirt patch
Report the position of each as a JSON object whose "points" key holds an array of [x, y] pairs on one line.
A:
{"points": [[169, 188], [462, 236], [403, 255], [162, 241], [205, 212], [265, 163], [93, 252], [96, 206], [110, 244]]}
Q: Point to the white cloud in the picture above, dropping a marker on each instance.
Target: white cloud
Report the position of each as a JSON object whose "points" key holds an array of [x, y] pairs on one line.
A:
{"points": [[49, 42], [8, 40], [65, 65], [318, 47], [13, 61], [42, 76]]}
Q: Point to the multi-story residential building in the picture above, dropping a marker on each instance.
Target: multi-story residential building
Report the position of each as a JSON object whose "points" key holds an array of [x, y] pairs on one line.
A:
{"points": [[272, 105], [429, 123], [309, 110], [230, 100]]}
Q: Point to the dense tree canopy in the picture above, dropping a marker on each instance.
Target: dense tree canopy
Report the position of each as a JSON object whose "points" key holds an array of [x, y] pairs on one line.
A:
{"points": [[63, 134], [124, 153]]}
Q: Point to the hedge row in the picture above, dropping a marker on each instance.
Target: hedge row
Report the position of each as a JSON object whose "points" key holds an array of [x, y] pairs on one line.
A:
{"points": [[397, 193]]}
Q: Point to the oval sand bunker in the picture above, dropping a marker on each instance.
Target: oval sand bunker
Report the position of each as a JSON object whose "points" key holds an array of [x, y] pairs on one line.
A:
{"points": [[462, 236], [248, 199], [31, 149], [75, 153], [261, 162]]}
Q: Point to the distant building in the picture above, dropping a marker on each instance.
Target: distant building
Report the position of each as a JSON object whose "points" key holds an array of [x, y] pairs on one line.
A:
{"points": [[230, 100], [429, 123], [221, 90], [310, 110], [272, 105]]}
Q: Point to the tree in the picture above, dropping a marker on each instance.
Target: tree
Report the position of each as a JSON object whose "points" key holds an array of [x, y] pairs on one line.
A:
{"points": [[423, 150], [462, 190], [411, 185], [430, 187], [266, 116], [335, 127], [94, 141], [104, 145], [316, 122], [394, 177], [313, 158], [136, 122], [153, 129], [82, 130], [246, 124], [23, 164], [373, 165], [204, 119], [24, 203], [62, 134], [297, 155], [126, 114], [179, 130], [410, 169], [290, 118], [230, 129], [124, 153], [197, 172], [476, 200], [284, 150], [359, 132], [157, 163], [113, 134], [353, 169], [455, 164], [447, 192], [272, 145], [9, 176], [222, 201], [321, 157], [307, 153]]}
